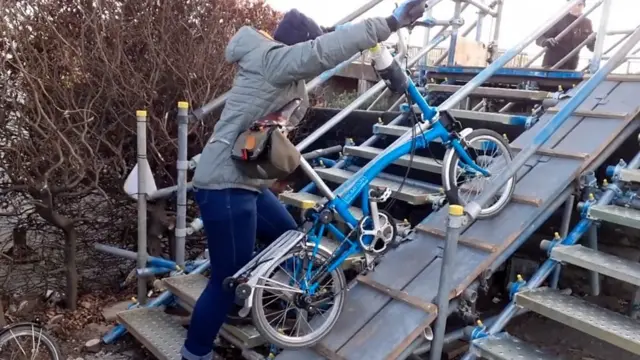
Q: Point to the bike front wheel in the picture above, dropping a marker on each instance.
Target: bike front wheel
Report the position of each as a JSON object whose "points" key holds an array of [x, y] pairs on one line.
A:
{"points": [[285, 312], [29, 342], [462, 184]]}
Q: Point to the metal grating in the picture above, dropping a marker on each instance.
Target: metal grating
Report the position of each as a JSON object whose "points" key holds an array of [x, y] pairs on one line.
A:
{"points": [[506, 347], [187, 287], [579, 314], [606, 264], [615, 214], [157, 331]]}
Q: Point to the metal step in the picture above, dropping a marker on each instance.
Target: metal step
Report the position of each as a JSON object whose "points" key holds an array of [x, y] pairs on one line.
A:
{"points": [[605, 264], [411, 194], [579, 314], [615, 214], [305, 200], [502, 93], [188, 289], [489, 117], [506, 347], [159, 332], [629, 175], [418, 162]]}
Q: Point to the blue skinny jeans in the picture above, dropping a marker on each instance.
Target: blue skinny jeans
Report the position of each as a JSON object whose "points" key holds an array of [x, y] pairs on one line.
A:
{"points": [[232, 219]]}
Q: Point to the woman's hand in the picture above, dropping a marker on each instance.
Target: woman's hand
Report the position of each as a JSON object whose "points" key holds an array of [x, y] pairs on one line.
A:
{"points": [[409, 11]]}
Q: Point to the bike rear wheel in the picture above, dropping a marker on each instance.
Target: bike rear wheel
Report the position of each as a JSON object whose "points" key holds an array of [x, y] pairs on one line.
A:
{"points": [[489, 151], [282, 315], [28, 342]]}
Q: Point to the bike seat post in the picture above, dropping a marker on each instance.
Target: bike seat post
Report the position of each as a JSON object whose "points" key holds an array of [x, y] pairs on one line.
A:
{"points": [[322, 186]]}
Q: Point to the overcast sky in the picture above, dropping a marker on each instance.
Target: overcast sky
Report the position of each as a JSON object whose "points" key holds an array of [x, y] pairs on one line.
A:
{"points": [[520, 17]]}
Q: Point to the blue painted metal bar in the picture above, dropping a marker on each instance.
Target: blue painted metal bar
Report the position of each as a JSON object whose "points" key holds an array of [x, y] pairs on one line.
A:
{"points": [[514, 72], [151, 260], [554, 124], [547, 267]]}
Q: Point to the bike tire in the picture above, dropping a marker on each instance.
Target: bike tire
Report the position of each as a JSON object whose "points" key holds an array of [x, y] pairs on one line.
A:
{"points": [[449, 180], [35, 332], [262, 324]]}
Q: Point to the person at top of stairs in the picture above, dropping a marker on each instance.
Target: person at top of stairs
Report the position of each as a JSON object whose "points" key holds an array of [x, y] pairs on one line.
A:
{"points": [[558, 49], [234, 207]]}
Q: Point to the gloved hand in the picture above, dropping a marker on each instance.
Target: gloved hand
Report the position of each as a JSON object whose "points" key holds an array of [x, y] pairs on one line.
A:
{"points": [[550, 42], [409, 11]]}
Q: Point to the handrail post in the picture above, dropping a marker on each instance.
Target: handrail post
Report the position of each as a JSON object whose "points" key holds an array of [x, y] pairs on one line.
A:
{"points": [[496, 27], [473, 209], [455, 25], [454, 225], [602, 34], [182, 164], [141, 124]]}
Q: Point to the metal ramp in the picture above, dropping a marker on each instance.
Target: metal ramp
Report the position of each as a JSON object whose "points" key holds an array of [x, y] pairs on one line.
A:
{"points": [[378, 325]]}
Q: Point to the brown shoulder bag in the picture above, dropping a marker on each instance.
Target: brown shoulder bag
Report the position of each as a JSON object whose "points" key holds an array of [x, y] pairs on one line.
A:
{"points": [[263, 151]]}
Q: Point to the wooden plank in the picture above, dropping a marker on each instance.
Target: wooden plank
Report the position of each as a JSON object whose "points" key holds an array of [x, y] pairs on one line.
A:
{"points": [[591, 113], [362, 302], [379, 340], [442, 234], [398, 294], [327, 353], [556, 153], [437, 219]]}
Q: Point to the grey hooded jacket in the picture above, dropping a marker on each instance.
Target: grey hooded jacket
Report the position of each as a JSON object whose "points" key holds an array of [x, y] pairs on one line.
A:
{"points": [[270, 74]]}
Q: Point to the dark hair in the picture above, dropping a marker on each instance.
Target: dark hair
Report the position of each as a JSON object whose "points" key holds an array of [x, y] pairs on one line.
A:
{"points": [[296, 27]]}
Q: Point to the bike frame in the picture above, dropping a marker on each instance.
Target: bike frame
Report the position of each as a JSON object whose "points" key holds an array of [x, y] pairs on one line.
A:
{"points": [[347, 193]]}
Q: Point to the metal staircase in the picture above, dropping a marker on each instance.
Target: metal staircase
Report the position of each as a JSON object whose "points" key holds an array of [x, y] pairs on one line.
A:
{"points": [[609, 326], [390, 310]]}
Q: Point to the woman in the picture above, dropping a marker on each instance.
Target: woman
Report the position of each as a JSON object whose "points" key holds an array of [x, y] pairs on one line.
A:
{"points": [[235, 208]]}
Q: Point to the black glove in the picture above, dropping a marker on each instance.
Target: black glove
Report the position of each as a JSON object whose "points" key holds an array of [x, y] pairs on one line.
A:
{"points": [[407, 13], [550, 42]]}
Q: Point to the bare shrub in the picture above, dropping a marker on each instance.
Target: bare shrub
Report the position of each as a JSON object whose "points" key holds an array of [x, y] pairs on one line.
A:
{"points": [[72, 74]]}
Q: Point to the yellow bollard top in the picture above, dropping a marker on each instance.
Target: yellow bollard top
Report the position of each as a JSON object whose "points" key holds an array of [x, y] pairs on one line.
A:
{"points": [[456, 210], [183, 105], [141, 113]]}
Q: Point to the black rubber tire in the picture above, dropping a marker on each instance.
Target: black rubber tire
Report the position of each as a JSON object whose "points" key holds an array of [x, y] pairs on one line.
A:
{"points": [[449, 169], [46, 340]]}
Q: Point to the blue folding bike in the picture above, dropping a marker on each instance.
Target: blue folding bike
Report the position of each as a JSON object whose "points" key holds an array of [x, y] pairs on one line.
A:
{"points": [[295, 288]]}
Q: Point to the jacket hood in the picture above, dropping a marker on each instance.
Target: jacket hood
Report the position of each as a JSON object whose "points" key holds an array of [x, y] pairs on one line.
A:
{"points": [[243, 42]]}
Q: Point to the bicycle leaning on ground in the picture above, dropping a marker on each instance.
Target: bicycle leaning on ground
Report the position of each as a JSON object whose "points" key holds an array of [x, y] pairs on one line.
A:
{"points": [[300, 282], [27, 341]]}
